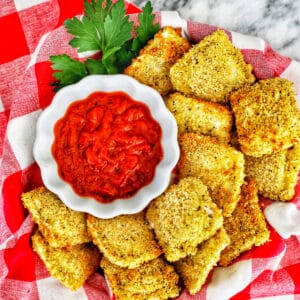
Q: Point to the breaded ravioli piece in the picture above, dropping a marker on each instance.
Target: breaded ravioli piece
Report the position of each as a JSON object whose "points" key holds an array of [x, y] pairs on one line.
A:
{"points": [[72, 266], [155, 279], [194, 269], [211, 69], [153, 64], [183, 217], [219, 166], [275, 174], [246, 227], [267, 118], [126, 240], [199, 116], [60, 225]]}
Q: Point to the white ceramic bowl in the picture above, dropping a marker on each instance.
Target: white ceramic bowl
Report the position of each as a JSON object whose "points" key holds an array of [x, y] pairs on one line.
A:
{"points": [[45, 138]]}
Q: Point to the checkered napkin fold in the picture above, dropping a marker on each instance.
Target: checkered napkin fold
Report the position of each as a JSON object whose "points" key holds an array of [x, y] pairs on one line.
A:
{"points": [[269, 270]]}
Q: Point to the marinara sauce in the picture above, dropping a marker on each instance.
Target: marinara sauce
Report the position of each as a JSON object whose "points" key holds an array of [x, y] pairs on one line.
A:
{"points": [[107, 146]]}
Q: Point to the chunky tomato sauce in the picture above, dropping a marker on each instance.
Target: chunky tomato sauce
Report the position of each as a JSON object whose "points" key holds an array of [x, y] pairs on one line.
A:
{"points": [[107, 146]]}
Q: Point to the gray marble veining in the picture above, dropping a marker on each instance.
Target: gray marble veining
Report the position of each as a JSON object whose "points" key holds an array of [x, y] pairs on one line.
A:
{"points": [[276, 21]]}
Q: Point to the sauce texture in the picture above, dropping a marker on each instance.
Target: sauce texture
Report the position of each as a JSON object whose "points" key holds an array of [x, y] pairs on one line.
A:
{"points": [[107, 146]]}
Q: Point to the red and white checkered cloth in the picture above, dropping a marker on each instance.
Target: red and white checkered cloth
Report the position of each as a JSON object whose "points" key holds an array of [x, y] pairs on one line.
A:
{"points": [[31, 31]]}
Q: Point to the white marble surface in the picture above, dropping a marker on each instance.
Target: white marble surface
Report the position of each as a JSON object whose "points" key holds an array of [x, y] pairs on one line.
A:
{"points": [[276, 21]]}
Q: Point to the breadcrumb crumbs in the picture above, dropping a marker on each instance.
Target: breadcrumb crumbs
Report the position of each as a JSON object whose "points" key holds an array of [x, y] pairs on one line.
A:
{"points": [[276, 174], [219, 166], [153, 64], [246, 227], [60, 225], [183, 217], [211, 69], [155, 279], [194, 269], [199, 116], [126, 240], [267, 118], [72, 266]]}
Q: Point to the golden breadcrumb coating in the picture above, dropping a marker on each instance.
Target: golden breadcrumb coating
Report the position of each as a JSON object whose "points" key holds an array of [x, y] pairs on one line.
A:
{"points": [[194, 269], [72, 266], [155, 279], [219, 166], [266, 116], [60, 225], [211, 69], [126, 240], [199, 116], [153, 64], [183, 217], [246, 227], [276, 174]]}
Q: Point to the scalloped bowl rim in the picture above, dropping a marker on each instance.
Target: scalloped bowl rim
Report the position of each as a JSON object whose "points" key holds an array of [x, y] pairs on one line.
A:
{"points": [[79, 91]]}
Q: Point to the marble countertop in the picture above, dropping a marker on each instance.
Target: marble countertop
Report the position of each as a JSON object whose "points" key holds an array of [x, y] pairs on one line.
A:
{"points": [[276, 21]]}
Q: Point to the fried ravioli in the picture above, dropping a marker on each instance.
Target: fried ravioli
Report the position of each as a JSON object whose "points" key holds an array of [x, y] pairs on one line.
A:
{"points": [[126, 240], [72, 266], [276, 174], [155, 279], [152, 65], [267, 118], [194, 269], [60, 225], [246, 227], [211, 69], [219, 166], [183, 217], [199, 116]]}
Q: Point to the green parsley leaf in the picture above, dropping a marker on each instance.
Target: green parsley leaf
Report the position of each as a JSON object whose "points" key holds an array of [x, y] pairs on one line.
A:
{"points": [[71, 70], [146, 29], [97, 11], [95, 66], [117, 28], [125, 55], [86, 34], [105, 27]]}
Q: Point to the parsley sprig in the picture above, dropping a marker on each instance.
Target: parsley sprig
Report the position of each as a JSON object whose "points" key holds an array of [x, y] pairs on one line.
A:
{"points": [[104, 27]]}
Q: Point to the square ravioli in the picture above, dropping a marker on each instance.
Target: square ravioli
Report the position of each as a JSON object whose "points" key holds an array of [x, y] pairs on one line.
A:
{"points": [[194, 269], [60, 225], [246, 227], [72, 266], [219, 166], [153, 64], [211, 69], [267, 118], [155, 279], [126, 240], [200, 116], [275, 174], [183, 217]]}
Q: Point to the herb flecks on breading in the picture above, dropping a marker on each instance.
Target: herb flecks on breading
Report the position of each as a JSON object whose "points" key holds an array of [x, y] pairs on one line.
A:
{"points": [[267, 118], [155, 279], [72, 266], [211, 69], [183, 217], [126, 240], [246, 226], [219, 166], [275, 174], [153, 64], [194, 269], [60, 225], [200, 116]]}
